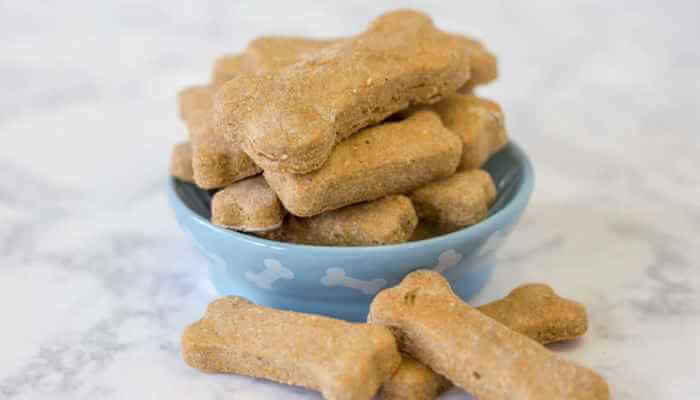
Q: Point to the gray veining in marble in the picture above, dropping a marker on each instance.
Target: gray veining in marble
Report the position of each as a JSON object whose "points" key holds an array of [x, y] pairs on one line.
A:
{"points": [[97, 282]]}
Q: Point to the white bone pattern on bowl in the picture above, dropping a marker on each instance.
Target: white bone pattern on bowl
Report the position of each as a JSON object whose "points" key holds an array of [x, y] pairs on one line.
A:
{"points": [[337, 277], [447, 260], [274, 271]]}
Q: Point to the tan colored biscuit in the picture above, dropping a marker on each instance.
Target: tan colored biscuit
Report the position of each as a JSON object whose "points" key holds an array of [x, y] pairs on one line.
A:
{"points": [[414, 381], [475, 352], [181, 162], [533, 310], [290, 120], [342, 360], [216, 162], [536, 311], [390, 158], [460, 200], [228, 67], [388, 220], [194, 100], [265, 54], [484, 65], [269, 53], [272, 53], [248, 205], [480, 124]]}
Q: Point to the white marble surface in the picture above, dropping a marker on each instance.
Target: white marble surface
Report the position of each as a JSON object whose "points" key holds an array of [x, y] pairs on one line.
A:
{"points": [[97, 282]]}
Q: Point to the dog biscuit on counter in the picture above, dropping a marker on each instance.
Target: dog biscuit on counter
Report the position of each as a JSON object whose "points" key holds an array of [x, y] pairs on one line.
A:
{"points": [[533, 310], [474, 351], [342, 360]]}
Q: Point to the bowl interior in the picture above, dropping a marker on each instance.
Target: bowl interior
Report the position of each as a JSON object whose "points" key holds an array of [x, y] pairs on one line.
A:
{"points": [[508, 168]]}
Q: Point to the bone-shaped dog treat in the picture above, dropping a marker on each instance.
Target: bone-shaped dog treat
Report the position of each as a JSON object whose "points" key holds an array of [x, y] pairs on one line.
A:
{"points": [[480, 124], [462, 199], [484, 65], [389, 220], [267, 54], [290, 120], [536, 311], [390, 158], [248, 205], [476, 352], [533, 310], [215, 161], [271, 53], [344, 361], [181, 162], [337, 277]]}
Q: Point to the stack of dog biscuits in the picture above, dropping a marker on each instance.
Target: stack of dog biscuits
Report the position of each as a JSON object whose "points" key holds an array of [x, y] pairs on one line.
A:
{"points": [[332, 133]]}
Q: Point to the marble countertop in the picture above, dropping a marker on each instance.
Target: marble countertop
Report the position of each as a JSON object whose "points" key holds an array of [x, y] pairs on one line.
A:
{"points": [[97, 281]]}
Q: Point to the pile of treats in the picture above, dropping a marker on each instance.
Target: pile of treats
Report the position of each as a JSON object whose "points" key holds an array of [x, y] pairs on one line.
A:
{"points": [[357, 139], [365, 140], [420, 339]]}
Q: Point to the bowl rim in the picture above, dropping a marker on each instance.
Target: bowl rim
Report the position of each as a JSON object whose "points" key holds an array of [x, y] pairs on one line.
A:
{"points": [[489, 225]]}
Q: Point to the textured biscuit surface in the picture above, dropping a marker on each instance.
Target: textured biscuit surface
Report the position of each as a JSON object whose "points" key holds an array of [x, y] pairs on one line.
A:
{"points": [[228, 67], [480, 124], [248, 205], [195, 100], [265, 54], [272, 53], [344, 361], [414, 381], [483, 64], [289, 120], [460, 200], [535, 310], [181, 162], [390, 158], [388, 220], [476, 352], [216, 162]]}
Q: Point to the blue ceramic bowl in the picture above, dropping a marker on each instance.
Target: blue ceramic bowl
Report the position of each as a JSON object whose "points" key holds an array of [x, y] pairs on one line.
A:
{"points": [[341, 281]]}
